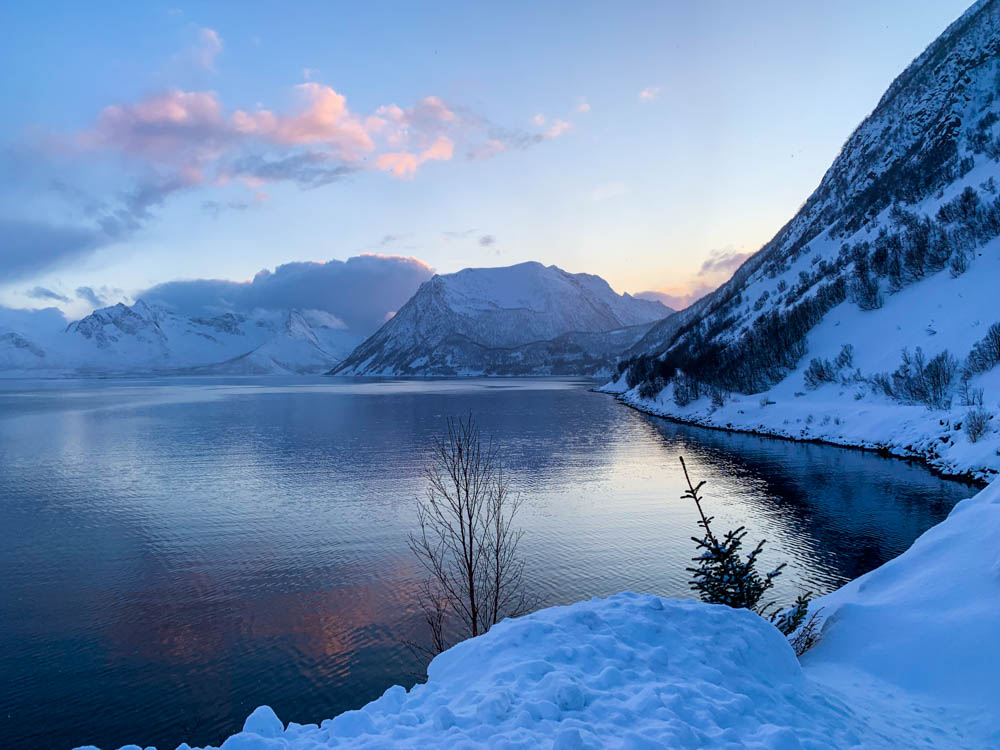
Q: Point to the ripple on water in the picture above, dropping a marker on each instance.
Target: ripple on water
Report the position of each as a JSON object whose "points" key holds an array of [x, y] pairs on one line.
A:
{"points": [[175, 553]]}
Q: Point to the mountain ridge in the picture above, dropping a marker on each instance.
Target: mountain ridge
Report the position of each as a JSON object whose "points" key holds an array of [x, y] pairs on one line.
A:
{"points": [[509, 317]]}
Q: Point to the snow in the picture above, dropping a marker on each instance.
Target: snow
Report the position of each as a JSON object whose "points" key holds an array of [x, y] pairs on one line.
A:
{"points": [[145, 338], [936, 314], [526, 319]]}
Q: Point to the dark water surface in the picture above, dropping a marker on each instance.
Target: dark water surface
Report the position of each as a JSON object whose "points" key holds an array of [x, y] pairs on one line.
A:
{"points": [[174, 553]]}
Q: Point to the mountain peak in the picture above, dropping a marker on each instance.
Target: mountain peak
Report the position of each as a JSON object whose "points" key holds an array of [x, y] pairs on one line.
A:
{"points": [[480, 309]]}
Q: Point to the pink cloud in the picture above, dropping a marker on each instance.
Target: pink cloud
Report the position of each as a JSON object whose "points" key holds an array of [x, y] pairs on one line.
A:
{"points": [[558, 128], [325, 119], [649, 93], [161, 127], [404, 164], [174, 140]]}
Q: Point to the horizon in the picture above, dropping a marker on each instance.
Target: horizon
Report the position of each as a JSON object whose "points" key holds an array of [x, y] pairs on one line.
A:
{"points": [[232, 140]]}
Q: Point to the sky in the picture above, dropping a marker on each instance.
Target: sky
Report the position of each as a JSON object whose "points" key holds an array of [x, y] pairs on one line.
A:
{"points": [[655, 144]]}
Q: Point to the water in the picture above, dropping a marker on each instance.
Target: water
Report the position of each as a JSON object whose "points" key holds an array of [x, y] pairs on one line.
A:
{"points": [[174, 553]]}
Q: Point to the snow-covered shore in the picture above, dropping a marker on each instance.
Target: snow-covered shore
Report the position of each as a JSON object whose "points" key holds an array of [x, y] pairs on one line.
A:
{"points": [[834, 414], [908, 658]]}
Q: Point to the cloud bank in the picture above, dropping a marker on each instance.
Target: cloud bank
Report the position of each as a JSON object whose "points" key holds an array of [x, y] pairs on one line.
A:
{"points": [[177, 140], [360, 291]]}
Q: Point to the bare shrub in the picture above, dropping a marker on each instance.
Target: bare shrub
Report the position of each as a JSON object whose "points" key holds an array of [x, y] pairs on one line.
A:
{"points": [[808, 635], [467, 541], [919, 380], [650, 389], [968, 395], [985, 353], [976, 424]]}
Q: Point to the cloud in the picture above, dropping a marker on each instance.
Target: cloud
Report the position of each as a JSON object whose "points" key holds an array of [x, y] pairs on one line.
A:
{"points": [[716, 269], [649, 93], [215, 208], [404, 164], [170, 127], [101, 297], [175, 140], [723, 261], [307, 169], [539, 120], [31, 247], [678, 298], [34, 324], [582, 106], [186, 136], [324, 118], [208, 47], [359, 291], [558, 128], [87, 294], [486, 240], [40, 292]]}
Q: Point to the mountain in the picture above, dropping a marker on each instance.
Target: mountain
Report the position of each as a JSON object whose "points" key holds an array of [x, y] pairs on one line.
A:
{"points": [[896, 249], [144, 338], [517, 320]]}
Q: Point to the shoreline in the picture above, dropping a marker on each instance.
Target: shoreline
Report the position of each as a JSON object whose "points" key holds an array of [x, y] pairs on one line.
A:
{"points": [[884, 450]]}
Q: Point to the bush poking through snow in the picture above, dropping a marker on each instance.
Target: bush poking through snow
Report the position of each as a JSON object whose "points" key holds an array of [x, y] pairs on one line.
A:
{"points": [[650, 389], [977, 423], [822, 370], [969, 396], [467, 540], [921, 381], [808, 635], [722, 576], [986, 353]]}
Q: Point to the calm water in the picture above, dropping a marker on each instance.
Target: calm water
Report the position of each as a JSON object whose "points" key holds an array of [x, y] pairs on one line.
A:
{"points": [[174, 553]]}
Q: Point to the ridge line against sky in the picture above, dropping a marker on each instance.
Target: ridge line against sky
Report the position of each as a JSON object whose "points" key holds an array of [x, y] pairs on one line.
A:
{"points": [[656, 145]]}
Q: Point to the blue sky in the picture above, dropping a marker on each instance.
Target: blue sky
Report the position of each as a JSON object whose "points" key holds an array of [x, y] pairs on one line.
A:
{"points": [[651, 143]]}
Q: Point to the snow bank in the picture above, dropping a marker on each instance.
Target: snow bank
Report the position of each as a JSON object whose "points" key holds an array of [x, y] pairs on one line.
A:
{"points": [[927, 622], [848, 415]]}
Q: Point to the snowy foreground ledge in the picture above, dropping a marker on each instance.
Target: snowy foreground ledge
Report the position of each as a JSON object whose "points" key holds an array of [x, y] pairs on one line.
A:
{"points": [[909, 659]]}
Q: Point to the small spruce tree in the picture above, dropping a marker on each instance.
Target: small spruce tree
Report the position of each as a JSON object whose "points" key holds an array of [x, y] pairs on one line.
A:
{"points": [[721, 574]]}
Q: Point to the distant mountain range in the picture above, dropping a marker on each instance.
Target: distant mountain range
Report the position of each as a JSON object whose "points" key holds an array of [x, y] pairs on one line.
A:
{"points": [[527, 319], [142, 338]]}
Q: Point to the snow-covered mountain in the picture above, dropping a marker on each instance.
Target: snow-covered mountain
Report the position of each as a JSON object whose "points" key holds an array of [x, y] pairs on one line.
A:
{"points": [[896, 249], [144, 338], [516, 320]]}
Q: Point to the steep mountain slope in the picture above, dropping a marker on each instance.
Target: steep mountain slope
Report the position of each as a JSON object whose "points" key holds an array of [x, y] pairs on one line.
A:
{"points": [[897, 248], [149, 339], [522, 319]]}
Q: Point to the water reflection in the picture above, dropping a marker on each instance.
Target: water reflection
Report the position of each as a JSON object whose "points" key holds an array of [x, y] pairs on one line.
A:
{"points": [[177, 552]]}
